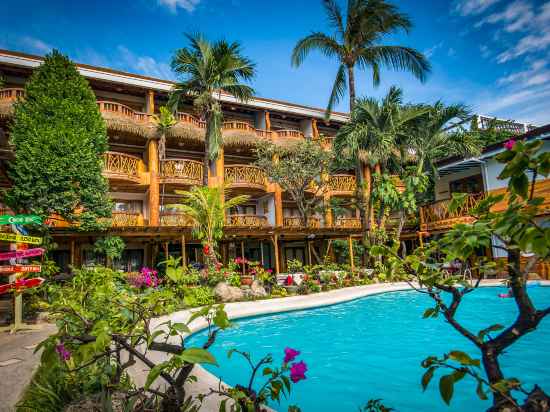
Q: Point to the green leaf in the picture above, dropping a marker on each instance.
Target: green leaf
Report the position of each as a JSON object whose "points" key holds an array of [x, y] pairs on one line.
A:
{"points": [[480, 392], [463, 358], [197, 355], [446, 388], [493, 328], [427, 377], [154, 373], [267, 371]]}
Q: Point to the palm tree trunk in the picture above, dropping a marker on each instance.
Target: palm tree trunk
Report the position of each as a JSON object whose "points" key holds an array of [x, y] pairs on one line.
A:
{"points": [[206, 160], [351, 81]]}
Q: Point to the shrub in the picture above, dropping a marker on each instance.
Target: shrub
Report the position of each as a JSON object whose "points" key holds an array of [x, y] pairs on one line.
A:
{"points": [[199, 296]]}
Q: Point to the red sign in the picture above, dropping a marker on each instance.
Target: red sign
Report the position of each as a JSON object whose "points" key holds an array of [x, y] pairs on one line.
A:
{"points": [[20, 254], [21, 284], [20, 268]]}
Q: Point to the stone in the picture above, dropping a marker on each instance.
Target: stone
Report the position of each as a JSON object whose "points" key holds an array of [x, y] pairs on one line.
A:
{"points": [[227, 293], [257, 289]]}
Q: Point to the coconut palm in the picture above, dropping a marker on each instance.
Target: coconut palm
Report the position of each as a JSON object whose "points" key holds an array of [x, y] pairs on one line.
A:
{"points": [[207, 69], [164, 120], [203, 205], [356, 43], [376, 136]]}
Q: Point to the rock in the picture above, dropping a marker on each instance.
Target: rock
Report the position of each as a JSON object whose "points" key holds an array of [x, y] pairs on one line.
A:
{"points": [[257, 289], [227, 293]]}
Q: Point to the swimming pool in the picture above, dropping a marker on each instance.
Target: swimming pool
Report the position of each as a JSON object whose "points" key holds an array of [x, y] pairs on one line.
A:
{"points": [[372, 348]]}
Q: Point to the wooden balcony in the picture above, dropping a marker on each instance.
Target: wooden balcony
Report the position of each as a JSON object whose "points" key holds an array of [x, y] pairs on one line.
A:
{"points": [[190, 119], [241, 220], [245, 176], [126, 219], [120, 110], [342, 184], [437, 216], [181, 171], [295, 222], [175, 219], [122, 167], [7, 97], [347, 223], [289, 134]]}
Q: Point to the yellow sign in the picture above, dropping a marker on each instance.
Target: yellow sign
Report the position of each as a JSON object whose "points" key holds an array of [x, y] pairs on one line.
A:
{"points": [[12, 237]]}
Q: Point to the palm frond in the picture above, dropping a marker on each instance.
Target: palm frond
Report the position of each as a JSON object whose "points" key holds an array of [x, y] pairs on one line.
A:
{"points": [[338, 90], [398, 58], [315, 41]]}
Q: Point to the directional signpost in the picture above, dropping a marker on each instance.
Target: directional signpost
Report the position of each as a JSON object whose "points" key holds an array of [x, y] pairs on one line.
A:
{"points": [[17, 282]]}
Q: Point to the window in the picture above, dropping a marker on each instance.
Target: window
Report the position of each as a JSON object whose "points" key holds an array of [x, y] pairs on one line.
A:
{"points": [[470, 184], [128, 206]]}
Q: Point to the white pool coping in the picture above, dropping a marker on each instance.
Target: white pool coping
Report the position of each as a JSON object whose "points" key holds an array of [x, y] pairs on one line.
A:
{"points": [[238, 310]]}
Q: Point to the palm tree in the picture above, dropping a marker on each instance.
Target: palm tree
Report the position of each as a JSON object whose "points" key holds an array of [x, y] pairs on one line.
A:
{"points": [[164, 120], [207, 69], [356, 42], [376, 135], [203, 206]]}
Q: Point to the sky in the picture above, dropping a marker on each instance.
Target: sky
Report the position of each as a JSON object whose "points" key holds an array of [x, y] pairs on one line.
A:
{"points": [[491, 55]]}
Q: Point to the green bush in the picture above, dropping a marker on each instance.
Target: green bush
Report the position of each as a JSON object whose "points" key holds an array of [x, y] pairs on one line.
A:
{"points": [[199, 296]]}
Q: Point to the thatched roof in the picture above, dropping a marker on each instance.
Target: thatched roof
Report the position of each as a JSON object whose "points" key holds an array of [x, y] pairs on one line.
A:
{"points": [[124, 124], [186, 131], [6, 109], [240, 138]]}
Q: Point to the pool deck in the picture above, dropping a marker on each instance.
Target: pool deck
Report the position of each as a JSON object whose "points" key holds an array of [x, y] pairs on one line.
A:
{"points": [[236, 310]]}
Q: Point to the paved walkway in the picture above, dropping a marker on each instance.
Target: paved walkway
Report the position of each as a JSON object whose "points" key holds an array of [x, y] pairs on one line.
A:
{"points": [[18, 363]]}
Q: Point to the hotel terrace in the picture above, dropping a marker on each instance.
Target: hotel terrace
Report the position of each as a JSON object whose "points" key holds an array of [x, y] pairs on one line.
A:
{"points": [[267, 228]]}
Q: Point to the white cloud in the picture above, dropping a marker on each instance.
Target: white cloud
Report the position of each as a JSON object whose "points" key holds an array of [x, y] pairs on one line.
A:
{"points": [[516, 16], [174, 5], [473, 7], [35, 45], [536, 74], [431, 51], [527, 44], [144, 64], [485, 51]]}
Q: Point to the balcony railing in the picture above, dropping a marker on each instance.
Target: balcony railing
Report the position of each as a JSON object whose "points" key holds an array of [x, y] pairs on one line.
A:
{"points": [[11, 94], [342, 183], [296, 222], [347, 223], [242, 220], [438, 216], [182, 171], [126, 219], [121, 110], [175, 219], [190, 119], [294, 134], [122, 166], [245, 176]]}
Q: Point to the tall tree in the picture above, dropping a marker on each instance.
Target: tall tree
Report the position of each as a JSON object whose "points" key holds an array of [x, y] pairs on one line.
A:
{"points": [[207, 69], [164, 120], [355, 42], [59, 138]]}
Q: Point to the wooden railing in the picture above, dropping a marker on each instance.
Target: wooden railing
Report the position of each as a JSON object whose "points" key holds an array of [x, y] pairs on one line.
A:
{"points": [[117, 165], [296, 222], [11, 94], [241, 220], [347, 223], [438, 216], [126, 219], [175, 219], [124, 111], [290, 134], [190, 119], [184, 170], [237, 125], [245, 175], [341, 183]]}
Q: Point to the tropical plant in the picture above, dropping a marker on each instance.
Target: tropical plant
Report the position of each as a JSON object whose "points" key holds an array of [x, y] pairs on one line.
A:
{"points": [[208, 69], [111, 247], [356, 43], [206, 207], [59, 138], [300, 170], [164, 120], [518, 231]]}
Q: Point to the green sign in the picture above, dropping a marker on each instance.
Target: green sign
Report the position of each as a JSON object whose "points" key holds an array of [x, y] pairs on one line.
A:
{"points": [[19, 219]]}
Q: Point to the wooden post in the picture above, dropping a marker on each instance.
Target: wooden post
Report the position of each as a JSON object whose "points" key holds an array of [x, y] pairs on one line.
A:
{"points": [[308, 242], [278, 206], [350, 243], [165, 250], [275, 241], [154, 202], [150, 102], [314, 128], [183, 253], [328, 211], [267, 121], [262, 252], [242, 255], [420, 240], [73, 250]]}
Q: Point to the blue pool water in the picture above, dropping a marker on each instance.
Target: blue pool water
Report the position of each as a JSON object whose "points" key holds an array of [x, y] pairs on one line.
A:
{"points": [[372, 348]]}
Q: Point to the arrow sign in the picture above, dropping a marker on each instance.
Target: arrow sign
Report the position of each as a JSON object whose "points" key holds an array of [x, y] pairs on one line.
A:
{"points": [[20, 254], [21, 284], [12, 237], [19, 219], [20, 268]]}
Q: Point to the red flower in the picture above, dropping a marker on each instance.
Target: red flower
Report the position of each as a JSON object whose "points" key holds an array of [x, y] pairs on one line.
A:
{"points": [[298, 371], [509, 145], [289, 280], [206, 249]]}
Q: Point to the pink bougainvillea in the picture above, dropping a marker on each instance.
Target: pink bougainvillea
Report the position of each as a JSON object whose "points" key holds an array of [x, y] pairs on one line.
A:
{"points": [[298, 371], [290, 354], [147, 277], [63, 352], [509, 145]]}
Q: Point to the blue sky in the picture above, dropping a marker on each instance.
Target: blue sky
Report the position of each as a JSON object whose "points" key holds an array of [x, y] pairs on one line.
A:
{"points": [[492, 55]]}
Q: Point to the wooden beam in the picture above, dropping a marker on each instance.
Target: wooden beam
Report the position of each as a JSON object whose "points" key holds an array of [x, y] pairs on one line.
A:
{"points": [[73, 250], [350, 243], [242, 255], [308, 242], [154, 195], [328, 249], [165, 246], [262, 252], [275, 240], [183, 252]]}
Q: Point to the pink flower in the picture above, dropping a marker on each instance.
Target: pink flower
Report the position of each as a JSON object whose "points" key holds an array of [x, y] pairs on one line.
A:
{"points": [[269, 271], [62, 351], [290, 354], [509, 145], [298, 371]]}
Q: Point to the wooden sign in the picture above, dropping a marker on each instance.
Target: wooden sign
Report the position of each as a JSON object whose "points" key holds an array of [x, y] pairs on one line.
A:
{"points": [[21, 254], [21, 284], [20, 268], [12, 237], [19, 219]]}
